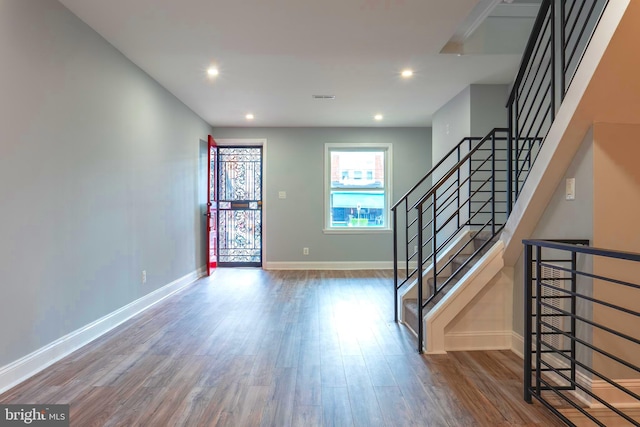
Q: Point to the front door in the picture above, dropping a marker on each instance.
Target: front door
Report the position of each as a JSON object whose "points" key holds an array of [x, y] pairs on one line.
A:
{"points": [[212, 208], [239, 206]]}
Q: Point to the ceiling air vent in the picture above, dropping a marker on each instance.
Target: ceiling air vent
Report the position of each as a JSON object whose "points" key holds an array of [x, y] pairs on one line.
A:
{"points": [[323, 96]]}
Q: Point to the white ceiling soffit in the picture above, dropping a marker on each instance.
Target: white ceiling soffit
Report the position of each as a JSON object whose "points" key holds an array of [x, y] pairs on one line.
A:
{"points": [[273, 55], [495, 27]]}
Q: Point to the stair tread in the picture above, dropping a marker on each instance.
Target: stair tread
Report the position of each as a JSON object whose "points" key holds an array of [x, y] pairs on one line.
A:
{"points": [[410, 305]]}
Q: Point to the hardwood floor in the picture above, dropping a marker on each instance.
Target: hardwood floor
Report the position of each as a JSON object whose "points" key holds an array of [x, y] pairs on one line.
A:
{"points": [[248, 347]]}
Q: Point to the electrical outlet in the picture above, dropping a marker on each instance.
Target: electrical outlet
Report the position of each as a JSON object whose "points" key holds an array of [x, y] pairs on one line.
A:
{"points": [[144, 276], [305, 251]]}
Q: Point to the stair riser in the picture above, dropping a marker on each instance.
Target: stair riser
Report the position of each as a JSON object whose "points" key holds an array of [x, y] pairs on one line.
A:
{"points": [[410, 310]]}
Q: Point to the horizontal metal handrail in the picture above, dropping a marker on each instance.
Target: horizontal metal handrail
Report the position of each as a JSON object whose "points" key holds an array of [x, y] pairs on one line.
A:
{"points": [[448, 219], [457, 166], [432, 170], [562, 245], [460, 268], [528, 51], [535, 97], [546, 339]]}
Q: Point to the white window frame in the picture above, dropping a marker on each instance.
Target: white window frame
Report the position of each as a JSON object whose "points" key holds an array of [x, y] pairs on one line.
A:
{"points": [[388, 186]]}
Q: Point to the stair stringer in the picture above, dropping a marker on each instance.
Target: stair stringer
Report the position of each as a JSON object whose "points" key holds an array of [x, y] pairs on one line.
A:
{"points": [[460, 296], [411, 290]]}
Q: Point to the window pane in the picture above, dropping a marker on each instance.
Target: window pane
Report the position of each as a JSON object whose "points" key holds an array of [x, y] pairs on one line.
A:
{"points": [[357, 169], [357, 191], [357, 208]]}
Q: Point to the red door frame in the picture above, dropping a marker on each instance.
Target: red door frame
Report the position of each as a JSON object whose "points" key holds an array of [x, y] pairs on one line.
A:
{"points": [[212, 207]]}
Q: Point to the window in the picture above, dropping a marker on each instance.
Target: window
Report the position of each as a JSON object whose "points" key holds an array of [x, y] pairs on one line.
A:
{"points": [[357, 187]]}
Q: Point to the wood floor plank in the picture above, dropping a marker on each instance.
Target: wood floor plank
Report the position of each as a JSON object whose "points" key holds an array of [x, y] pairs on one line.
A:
{"points": [[191, 411], [250, 408], [279, 406], [379, 371], [332, 371], [308, 390], [248, 347], [307, 416], [336, 408], [364, 406], [395, 410]]}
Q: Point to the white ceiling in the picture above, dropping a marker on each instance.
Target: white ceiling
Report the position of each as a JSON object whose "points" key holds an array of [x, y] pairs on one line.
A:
{"points": [[273, 55]]}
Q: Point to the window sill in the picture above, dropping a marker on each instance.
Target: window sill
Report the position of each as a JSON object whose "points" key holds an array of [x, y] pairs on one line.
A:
{"points": [[356, 230]]}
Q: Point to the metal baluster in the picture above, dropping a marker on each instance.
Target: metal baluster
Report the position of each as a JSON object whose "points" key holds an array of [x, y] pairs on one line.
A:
{"points": [[538, 371], [420, 296], [493, 184], [528, 300], [395, 265]]}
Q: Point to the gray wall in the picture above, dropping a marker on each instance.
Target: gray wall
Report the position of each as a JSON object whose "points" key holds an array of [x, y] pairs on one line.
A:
{"points": [[562, 219], [295, 164], [451, 123], [490, 39], [473, 112], [488, 108], [98, 178]]}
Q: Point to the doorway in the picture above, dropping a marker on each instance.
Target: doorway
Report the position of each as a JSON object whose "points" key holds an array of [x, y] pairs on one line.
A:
{"points": [[239, 193]]}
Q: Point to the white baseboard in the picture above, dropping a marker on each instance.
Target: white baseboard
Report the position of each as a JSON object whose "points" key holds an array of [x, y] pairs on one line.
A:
{"points": [[459, 297], [481, 340], [517, 344], [613, 395], [29, 365], [330, 265], [605, 416]]}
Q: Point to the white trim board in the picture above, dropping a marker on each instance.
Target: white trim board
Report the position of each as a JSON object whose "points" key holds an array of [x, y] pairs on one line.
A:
{"points": [[517, 344], [330, 265], [462, 293], [29, 365], [603, 415], [613, 395], [477, 340], [410, 290]]}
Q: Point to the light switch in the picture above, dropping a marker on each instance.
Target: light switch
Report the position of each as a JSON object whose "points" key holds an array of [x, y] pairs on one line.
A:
{"points": [[282, 194], [571, 189]]}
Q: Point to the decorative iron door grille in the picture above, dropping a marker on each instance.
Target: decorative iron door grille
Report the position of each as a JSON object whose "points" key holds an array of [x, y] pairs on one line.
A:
{"points": [[240, 206]]}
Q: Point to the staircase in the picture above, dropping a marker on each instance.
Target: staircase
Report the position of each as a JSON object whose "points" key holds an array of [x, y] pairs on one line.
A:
{"points": [[458, 266], [445, 223], [451, 225]]}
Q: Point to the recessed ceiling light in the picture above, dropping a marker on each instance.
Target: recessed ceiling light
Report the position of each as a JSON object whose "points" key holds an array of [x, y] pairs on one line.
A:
{"points": [[407, 73], [249, 116], [212, 71], [378, 117]]}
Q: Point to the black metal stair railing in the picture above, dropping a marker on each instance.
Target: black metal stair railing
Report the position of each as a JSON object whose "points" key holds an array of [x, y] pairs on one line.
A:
{"points": [[405, 218], [581, 338], [559, 38], [465, 203], [467, 200]]}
